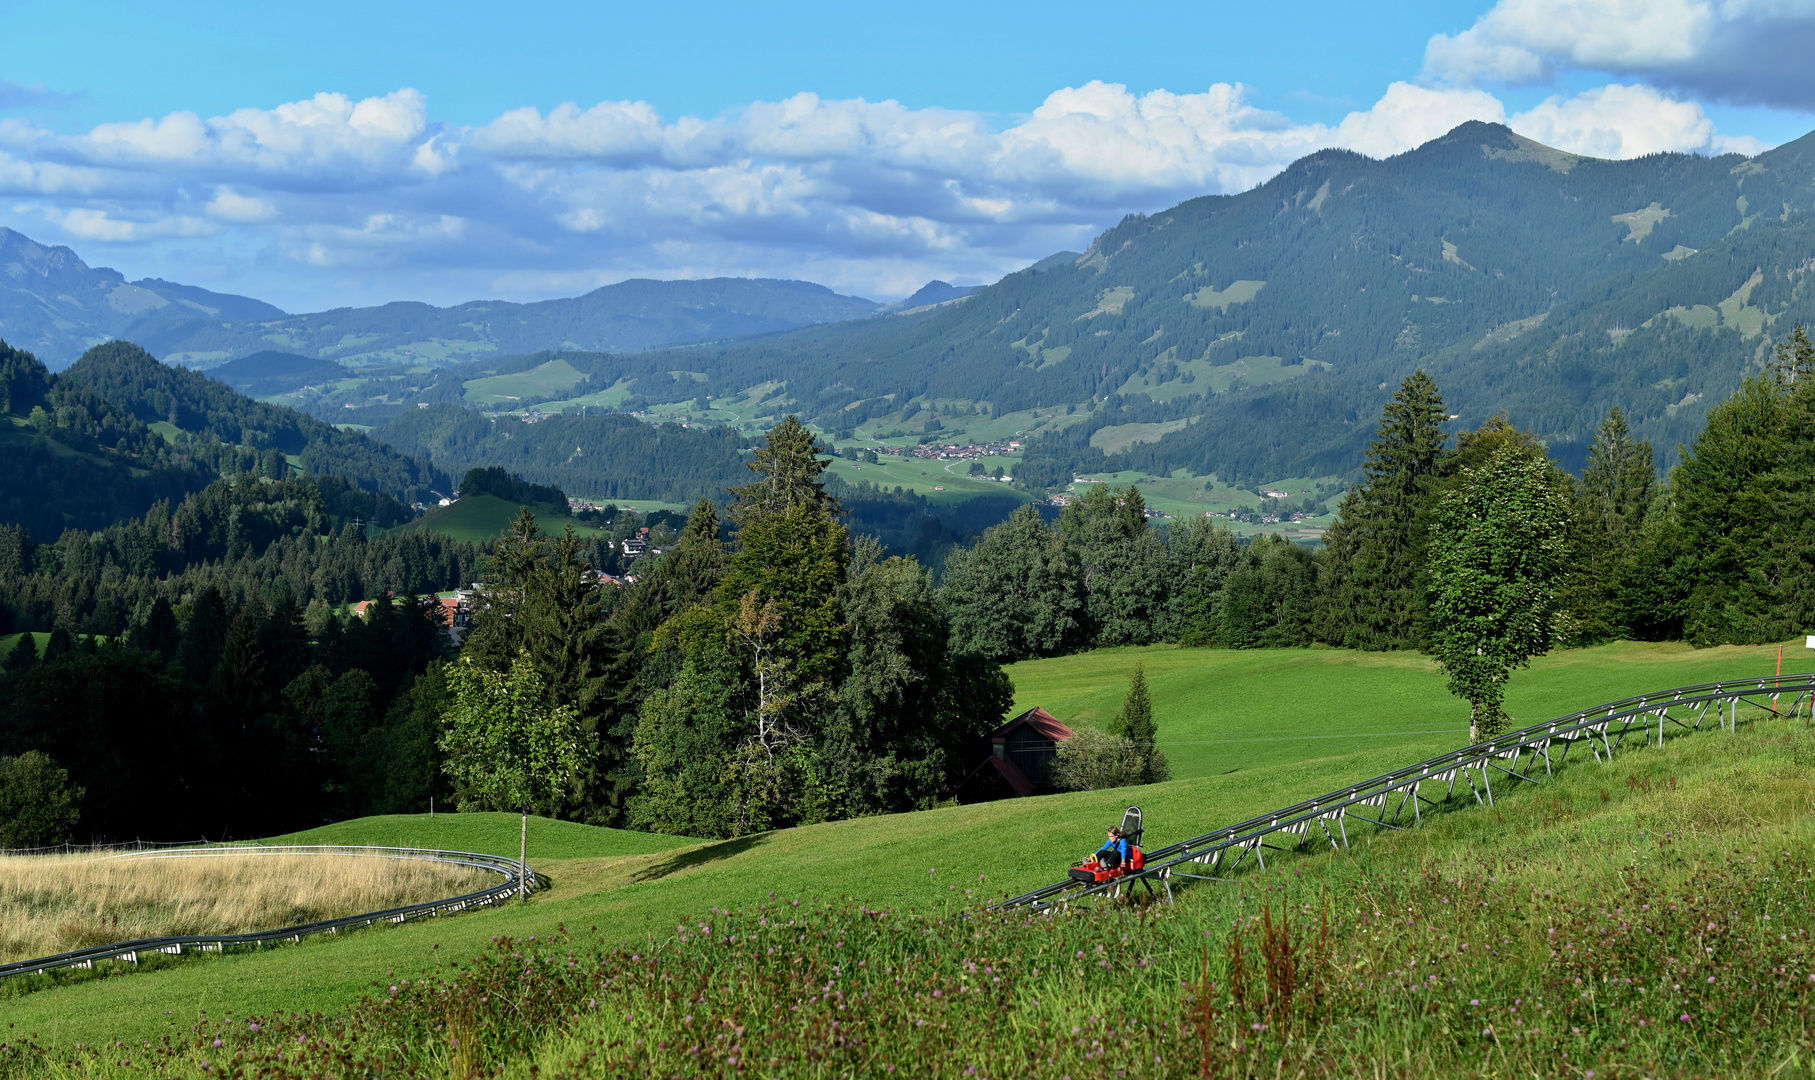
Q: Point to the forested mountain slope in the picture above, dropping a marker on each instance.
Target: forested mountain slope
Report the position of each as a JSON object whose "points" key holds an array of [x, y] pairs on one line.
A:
{"points": [[55, 305], [610, 456], [119, 431], [1278, 319]]}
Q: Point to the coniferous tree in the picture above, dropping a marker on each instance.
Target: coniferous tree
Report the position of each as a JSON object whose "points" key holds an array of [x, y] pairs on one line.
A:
{"points": [[203, 634], [1373, 594], [1724, 505], [1611, 502], [1135, 723], [61, 644], [23, 654], [159, 633]]}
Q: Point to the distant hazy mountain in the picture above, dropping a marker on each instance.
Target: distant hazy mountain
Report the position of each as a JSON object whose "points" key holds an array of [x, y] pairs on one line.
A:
{"points": [[628, 316], [933, 292], [55, 305], [265, 373]]}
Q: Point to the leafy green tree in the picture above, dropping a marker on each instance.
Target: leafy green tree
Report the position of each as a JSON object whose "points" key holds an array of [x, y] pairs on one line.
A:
{"points": [[1373, 596], [506, 747], [1270, 600], [1125, 568], [686, 737], [908, 709], [38, 807], [1499, 541], [1203, 556], [1096, 760], [1017, 593]]}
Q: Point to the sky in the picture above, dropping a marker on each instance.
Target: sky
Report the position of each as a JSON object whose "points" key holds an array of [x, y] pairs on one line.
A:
{"points": [[336, 153]]}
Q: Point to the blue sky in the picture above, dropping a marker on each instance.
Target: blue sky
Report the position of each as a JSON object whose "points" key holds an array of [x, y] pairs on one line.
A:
{"points": [[341, 153]]}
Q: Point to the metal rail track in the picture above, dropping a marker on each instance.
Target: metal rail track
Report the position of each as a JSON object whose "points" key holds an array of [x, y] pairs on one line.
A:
{"points": [[1395, 800], [515, 875]]}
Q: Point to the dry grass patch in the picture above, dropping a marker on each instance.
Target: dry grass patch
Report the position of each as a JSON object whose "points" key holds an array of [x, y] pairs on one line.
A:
{"points": [[54, 903]]}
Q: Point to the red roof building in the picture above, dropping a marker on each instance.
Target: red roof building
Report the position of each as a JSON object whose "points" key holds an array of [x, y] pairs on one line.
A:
{"points": [[1024, 752]]}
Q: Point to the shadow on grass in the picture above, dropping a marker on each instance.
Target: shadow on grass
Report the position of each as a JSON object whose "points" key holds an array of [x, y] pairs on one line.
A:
{"points": [[689, 858]]}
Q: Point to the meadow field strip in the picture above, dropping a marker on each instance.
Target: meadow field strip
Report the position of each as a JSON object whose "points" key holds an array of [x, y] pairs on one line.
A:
{"points": [[1223, 710], [1016, 844], [1646, 917], [55, 903]]}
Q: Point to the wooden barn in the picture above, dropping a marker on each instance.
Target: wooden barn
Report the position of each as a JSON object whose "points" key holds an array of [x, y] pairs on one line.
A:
{"points": [[1019, 758]]}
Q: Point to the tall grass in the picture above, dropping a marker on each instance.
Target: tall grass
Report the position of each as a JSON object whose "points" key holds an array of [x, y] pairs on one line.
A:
{"points": [[54, 903], [1651, 917]]}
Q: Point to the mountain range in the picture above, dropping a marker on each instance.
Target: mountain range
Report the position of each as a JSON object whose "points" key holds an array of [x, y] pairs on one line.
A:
{"points": [[1257, 335], [57, 306], [1252, 336]]}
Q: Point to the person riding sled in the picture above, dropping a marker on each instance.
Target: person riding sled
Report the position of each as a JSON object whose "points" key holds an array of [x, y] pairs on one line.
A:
{"points": [[1109, 861], [1114, 852]]}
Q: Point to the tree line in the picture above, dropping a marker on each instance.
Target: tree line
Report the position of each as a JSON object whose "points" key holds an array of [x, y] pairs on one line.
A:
{"points": [[771, 669]]}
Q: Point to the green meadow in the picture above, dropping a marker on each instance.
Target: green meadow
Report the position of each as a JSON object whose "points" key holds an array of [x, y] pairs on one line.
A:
{"points": [[480, 518], [1222, 711], [1245, 731]]}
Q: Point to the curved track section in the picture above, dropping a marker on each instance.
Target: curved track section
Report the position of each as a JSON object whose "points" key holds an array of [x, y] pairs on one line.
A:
{"points": [[1397, 800], [514, 875]]}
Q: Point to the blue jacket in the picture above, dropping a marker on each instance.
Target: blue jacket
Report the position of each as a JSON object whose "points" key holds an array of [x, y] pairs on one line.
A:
{"points": [[1120, 847]]}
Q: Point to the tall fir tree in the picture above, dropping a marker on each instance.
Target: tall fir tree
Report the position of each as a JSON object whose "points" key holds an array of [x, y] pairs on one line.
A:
{"points": [[1373, 591], [1611, 502]]}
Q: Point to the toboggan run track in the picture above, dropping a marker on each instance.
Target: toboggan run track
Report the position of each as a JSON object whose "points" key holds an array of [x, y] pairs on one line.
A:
{"points": [[1395, 801], [515, 875], [1391, 801]]}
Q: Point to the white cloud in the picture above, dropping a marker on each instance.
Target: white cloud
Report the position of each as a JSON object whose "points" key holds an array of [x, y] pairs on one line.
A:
{"points": [[869, 197], [230, 205], [1626, 121], [1752, 51], [329, 134], [90, 224], [1408, 116]]}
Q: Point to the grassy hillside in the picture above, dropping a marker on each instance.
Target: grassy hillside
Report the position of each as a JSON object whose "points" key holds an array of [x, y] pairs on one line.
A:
{"points": [[629, 885], [1223, 711], [493, 834], [480, 518]]}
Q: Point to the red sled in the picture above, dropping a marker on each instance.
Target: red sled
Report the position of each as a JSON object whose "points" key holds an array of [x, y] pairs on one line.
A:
{"points": [[1092, 872]]}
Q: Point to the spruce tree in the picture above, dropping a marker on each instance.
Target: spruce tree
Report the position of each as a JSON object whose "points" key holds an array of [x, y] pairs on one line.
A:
{"points": [[159, 633], [1374, 597], [693, 569], [61, 644], [789, 470], [24, 654], [1136, 725], [1611, 502]]}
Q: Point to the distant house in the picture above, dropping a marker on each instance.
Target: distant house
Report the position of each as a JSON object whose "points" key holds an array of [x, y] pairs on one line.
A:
{"points": [[1019, 758]]}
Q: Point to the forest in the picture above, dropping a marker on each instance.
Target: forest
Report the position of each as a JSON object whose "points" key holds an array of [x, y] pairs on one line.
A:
{"points": [[118, 431], [772, 668]]}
